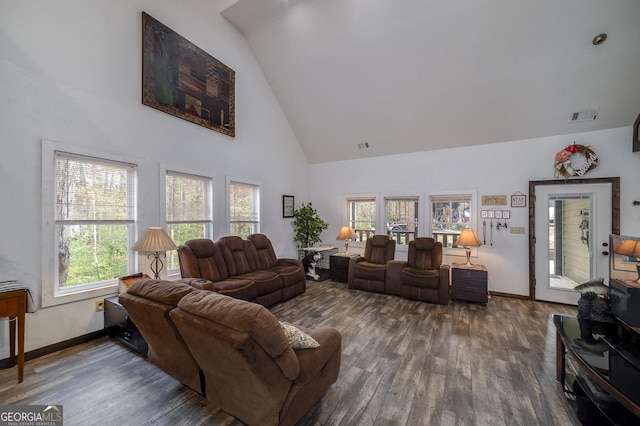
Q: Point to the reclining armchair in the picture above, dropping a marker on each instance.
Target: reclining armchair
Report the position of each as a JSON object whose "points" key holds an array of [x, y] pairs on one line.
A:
{"points": [[368, 272], [423, 276]]}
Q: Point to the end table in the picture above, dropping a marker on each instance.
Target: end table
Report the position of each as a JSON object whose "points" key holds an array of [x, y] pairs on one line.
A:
{"points": [[469, 283], [339, 266]]}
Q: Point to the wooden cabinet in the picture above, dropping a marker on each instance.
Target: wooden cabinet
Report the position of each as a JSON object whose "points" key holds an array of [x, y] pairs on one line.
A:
{"points": [[339, 267], [469, 283]]}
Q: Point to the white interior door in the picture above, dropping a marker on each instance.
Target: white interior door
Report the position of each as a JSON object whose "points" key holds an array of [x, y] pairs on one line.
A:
{"points": [[572, 227]]}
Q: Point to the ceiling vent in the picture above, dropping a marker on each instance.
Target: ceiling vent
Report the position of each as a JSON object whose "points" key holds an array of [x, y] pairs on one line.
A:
{"points": [[583, 115], [363, 145]]}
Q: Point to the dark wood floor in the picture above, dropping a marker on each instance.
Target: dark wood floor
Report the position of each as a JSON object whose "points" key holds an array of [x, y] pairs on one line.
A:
{"points": [[403, 363]]}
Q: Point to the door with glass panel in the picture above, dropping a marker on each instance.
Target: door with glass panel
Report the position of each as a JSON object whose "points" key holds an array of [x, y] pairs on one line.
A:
{"points": [[572, 227]]}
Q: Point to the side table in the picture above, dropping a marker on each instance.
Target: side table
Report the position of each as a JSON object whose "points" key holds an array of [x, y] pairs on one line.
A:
{"points": [[469, 283], [339, 266], [120, 327], [13, 305]]}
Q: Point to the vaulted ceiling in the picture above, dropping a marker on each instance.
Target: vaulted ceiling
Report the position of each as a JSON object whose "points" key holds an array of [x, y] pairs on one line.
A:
{"points": [[418, 75]]}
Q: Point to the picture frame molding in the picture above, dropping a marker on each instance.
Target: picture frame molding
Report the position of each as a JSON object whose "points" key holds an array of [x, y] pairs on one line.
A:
{"points": [[288, 206]]}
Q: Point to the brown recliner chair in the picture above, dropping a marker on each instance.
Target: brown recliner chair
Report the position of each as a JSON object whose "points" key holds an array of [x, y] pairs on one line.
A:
{"points": [[423, 276], [368, 272], [250, 370], [148, 303]]}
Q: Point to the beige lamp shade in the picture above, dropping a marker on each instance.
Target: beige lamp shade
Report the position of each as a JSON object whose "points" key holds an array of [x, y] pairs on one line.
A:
{"points": [[154, 239], [156, 242], [346, 233], [629, 248], [468, 238]]}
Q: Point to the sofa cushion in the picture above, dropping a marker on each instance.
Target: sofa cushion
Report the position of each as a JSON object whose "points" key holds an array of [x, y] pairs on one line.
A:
{"points": [[425, 278], [244, 320], [264, 250], [425, 253], [370, 271], [202, 258], [239, 255], [298, 339]]}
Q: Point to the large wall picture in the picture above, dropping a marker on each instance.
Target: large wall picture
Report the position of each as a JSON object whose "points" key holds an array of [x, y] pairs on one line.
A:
{"points": [[183, 80]]}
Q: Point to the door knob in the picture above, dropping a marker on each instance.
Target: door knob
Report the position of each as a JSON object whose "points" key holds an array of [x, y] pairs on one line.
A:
{"points": [[605, 244], [606, 253]]}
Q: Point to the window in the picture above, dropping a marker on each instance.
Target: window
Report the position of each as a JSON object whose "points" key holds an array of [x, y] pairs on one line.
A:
{"points": [[188, 210], [244, 209], [94, 214], [450, 214], [401, 219], [362, 217]]}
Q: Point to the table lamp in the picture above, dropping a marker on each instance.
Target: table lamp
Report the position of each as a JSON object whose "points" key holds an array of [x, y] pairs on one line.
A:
{"points": [[630, 248], [156, 242], [468, 238], [346, 233]]}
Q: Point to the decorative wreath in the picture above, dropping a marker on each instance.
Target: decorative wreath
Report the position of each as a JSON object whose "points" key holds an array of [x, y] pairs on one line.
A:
{"points": [[563, 166]]}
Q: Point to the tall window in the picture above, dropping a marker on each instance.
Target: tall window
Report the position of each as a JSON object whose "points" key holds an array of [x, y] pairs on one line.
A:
{"points": [[362, 217], [244, 209], [188, 207], [401, 218], [94, 212], [450, 214]]}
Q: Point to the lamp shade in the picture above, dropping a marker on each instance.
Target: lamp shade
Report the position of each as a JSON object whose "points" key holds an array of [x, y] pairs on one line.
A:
{"points": [[346, 233], [468, 238], [629, 248], [154, 239]]}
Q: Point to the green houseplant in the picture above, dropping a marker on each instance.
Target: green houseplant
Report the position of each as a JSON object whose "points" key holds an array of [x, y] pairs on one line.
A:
{"points": [[307, 225]]}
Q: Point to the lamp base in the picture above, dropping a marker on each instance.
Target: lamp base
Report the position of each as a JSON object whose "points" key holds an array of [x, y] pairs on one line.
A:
{"points": [[468, 257]]}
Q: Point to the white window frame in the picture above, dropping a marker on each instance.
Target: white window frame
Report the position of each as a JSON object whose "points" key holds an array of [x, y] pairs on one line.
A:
{"points": [[209, 194], [382, 218], [51, 294], [473, 214], [244, 182], [347, 216]]}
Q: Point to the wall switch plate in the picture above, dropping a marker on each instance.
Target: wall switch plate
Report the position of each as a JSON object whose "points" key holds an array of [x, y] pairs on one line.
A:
{"points": [[517, 229], [100, 305]]}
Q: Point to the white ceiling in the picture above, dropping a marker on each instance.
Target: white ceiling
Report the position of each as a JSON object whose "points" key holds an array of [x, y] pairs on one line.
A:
{"points": [[419, 75]]}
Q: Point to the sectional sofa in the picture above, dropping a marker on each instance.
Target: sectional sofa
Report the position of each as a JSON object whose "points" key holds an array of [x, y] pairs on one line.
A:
{"points": [[246, 269]]}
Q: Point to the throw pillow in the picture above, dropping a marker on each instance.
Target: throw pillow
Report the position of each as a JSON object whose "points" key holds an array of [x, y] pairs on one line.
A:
{"points": [[298, 339]]}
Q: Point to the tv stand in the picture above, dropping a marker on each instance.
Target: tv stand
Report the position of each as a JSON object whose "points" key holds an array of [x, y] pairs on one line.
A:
{"points": [[602, 368]]}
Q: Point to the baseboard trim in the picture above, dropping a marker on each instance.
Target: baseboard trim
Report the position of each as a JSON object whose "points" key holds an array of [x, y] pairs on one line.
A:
{"points": [[46, 350], [511, 295]]}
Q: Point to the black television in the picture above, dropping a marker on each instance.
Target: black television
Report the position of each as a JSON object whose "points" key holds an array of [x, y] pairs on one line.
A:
{"points": [[624, 279]]}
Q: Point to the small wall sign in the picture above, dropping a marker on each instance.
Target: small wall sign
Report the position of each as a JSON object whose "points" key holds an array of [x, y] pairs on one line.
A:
{"points": [[287, 205], [494, 200], [518, 200]]}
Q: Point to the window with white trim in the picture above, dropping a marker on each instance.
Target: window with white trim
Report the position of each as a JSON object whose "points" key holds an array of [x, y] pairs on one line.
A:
{"points": [[244, 209], [401, 218], [450, 214], [188, 210], [361, 213], [94, 221]]}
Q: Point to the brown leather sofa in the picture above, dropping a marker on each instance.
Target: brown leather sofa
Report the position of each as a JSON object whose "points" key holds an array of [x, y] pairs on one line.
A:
{"points": [[233, 352], [244, 269], [424, 277], [250, 370], [368, 272]]}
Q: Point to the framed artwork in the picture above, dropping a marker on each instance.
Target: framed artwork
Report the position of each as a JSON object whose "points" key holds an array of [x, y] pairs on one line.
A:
{"points": [[287, 205], [518, 200], [636, 135], [183, 80]]}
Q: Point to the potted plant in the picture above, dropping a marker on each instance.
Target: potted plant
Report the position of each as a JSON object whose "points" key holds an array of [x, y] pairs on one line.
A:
{"points": [[308, 225]]}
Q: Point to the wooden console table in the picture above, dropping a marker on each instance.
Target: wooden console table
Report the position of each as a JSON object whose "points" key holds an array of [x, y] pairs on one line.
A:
{"points": [[13, 305]]}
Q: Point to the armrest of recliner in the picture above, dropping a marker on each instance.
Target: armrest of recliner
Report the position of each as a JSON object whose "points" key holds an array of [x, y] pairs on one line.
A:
{"points": [[198, 283], [443, 287], [393, 277]]}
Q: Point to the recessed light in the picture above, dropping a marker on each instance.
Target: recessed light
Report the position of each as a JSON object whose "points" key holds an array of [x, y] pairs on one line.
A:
{"points": [[599, 39]]}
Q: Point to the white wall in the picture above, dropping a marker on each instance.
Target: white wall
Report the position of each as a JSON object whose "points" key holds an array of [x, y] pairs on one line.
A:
{"points": [[496, 169], [70, 72]]}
